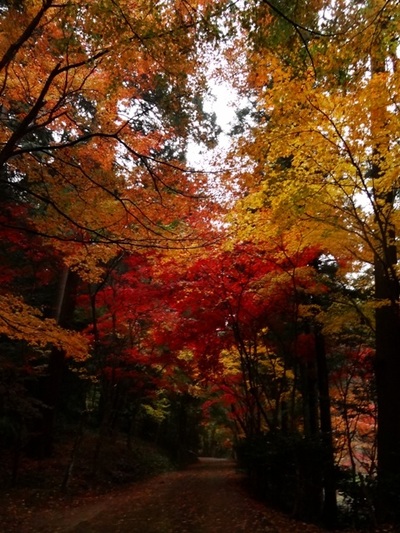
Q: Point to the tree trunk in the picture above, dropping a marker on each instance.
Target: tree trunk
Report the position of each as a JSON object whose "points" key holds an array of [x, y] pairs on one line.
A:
{"points": [[387, 322], [310, 398], [42, 444], [387, 371], [329, 511]]}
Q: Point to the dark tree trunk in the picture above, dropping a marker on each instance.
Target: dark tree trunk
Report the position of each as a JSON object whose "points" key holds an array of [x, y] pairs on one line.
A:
{"points": [[309, 490], [329, 511], [42, 444], [387, 371], [310, 398], [387, 322]]}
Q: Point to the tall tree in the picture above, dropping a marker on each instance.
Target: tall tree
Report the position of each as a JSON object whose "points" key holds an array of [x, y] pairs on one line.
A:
{"points": [[324, 151]]}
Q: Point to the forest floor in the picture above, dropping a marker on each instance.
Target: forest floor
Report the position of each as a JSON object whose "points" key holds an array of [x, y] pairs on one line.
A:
{"points": [[208, 497]]}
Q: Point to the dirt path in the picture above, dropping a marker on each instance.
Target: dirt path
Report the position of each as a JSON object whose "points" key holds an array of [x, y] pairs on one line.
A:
{"points": [[207, 498]]}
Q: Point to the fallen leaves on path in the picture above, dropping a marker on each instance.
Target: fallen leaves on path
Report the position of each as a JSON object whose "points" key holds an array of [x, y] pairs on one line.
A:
{"points": [[209, 497]]}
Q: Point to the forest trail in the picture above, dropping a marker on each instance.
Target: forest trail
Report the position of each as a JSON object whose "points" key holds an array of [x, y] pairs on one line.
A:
{"points": [[208, 497]]}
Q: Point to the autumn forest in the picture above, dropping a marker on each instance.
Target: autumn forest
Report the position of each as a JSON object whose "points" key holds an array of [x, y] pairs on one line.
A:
{"points": [[246, 306]]}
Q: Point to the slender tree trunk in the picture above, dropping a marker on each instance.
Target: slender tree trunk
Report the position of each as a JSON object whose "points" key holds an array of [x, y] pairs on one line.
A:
{"points": [[310, 398], [329, 511], [309, 495], [17, 452], [74, 454]]}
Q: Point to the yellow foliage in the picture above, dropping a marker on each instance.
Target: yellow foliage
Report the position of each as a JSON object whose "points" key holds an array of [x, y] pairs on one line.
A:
{"points": [[20, 321], [325, 128]]}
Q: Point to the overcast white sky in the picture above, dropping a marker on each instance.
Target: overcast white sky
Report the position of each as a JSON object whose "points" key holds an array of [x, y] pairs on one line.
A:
{"points": [[223, 104]]}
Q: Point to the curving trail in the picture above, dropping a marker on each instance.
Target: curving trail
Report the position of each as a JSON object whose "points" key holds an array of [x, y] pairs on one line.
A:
{"points": [[207, 498]]}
